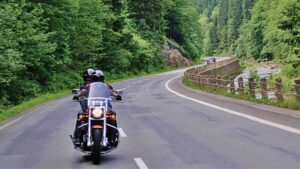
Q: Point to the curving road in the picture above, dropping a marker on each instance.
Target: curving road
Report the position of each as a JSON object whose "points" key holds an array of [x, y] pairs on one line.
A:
{"points": [[160, 129]]}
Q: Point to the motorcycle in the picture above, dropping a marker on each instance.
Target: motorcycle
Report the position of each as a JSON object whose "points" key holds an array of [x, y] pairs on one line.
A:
{"points": [[97, 131]]}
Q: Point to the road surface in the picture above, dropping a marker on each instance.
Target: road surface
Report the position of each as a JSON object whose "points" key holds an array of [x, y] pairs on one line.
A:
{"points": [[160, 129]]}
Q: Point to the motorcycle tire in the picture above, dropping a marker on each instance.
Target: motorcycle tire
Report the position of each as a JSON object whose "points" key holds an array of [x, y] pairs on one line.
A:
{"points": [[97, 148]]}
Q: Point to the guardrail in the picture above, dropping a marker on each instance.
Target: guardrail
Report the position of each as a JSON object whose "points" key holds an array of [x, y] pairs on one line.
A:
{"points": [[210, 76]]}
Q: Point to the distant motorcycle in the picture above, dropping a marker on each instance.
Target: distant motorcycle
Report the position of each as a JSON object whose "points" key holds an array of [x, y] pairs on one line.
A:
{"points": [[97, 132]]}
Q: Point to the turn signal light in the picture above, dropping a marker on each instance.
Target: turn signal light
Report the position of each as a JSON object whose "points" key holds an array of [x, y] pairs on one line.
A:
{"points": [[113, 117], [81, 117]]}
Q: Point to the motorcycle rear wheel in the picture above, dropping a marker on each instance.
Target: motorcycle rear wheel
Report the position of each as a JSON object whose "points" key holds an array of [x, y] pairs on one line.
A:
{"points": [[97, 148]]}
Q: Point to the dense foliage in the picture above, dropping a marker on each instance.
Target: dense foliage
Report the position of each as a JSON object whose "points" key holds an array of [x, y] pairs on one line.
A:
{"points": [[46, 45], [262, 29]]}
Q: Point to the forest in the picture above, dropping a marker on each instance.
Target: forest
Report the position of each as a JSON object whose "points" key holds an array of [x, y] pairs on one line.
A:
{"points": [[45, 45], [259, 29]]}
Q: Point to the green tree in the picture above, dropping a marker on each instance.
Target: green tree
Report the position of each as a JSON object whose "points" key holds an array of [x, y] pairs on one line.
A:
{"points": [[235, 20]]}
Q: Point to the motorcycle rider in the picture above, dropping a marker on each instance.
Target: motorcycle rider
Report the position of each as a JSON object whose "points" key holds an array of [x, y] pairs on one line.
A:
{"points": [[112, 133], [87, 78]]}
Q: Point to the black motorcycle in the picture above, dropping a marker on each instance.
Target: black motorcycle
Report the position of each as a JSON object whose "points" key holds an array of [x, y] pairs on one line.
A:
{"points": [[96, 131]]}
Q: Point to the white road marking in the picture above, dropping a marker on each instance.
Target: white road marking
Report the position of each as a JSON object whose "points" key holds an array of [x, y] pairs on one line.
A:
{"points": [[140, 163], [265, 122], [21, 117], [122, 133]]}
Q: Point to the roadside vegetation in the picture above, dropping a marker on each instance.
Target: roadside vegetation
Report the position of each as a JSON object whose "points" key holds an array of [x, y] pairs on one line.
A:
{"points": [[255, 31], [260, 30], [289, 102], [46, 45]]}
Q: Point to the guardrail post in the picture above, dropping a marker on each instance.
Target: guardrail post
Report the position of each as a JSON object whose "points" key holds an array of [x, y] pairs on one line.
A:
{"points": [[232, 87], [264, 88], [205, 80], [251, 87], [201, 81], [297, 89], [198, 79], [224, 83], [211, 81], [214, 82], [218, 81], [279, 91], [241, 85]]}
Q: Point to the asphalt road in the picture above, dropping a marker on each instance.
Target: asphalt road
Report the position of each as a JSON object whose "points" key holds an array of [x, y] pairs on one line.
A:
{"points": [[163, 130]]}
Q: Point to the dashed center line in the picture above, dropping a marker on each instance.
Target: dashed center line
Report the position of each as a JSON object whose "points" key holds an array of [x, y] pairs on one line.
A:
{"points": [[140, 163], [122, 133]]}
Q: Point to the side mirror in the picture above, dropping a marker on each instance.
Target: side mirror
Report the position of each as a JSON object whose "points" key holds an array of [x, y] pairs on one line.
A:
{"points": [[119, 92], [75, 91], [75, 98], [119, 97]]}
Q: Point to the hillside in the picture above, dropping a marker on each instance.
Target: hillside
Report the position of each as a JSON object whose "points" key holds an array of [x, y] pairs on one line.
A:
{"points": [[46, 45], [259, 29]]}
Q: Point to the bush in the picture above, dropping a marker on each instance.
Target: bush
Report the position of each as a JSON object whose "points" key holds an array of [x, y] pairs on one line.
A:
{"points": [[65, 80], [290, 71], [254, 75], [22, 89]]}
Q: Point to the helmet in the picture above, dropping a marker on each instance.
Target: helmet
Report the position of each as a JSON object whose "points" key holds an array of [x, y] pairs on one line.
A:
{"points": [[98, 76], [88, 75]]}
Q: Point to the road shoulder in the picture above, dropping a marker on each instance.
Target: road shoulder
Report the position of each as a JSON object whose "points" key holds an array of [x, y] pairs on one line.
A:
{"points": [[278, 115]]}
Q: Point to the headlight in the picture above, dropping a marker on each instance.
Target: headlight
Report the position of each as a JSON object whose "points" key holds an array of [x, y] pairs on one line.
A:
{"points": [[97, 113]]}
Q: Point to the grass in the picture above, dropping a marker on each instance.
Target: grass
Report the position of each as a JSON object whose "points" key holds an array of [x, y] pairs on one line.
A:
{"points": [[289, 102], [12, 111], [43, 98]]}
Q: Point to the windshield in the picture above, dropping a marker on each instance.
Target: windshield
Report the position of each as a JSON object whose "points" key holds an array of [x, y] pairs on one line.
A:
{"points": [[98, 89]]}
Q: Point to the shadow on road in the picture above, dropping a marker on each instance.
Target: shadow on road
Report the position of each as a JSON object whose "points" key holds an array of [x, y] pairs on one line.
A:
{"points": [[105, 159]]}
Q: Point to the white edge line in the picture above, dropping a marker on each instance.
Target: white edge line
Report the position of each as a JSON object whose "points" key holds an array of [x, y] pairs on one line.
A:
{"points": [[140, 163], [122, 133], [265, 122]]}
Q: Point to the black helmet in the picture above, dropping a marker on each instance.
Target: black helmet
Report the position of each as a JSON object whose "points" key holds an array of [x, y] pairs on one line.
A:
{"points": [[98, 76], [88, 75]]}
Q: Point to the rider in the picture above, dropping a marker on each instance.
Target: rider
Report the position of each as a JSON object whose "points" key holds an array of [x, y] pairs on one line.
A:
{"points": [[99, 77], [112, 133], [90, 76], [87, 78]]}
